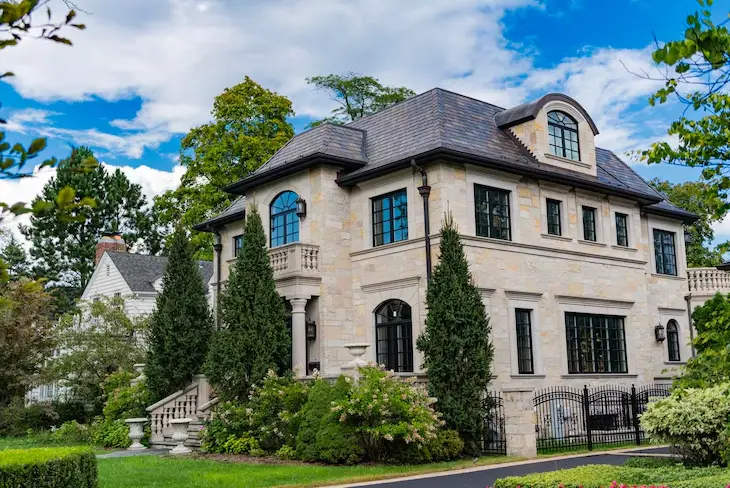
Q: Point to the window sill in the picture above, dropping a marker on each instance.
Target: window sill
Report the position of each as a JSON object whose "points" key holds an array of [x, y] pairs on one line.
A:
{"points": [[669, 277], [624, 248], [557, 238], [524, 375], [675, 363], [591, 243], [599, 375], [549, 155]]}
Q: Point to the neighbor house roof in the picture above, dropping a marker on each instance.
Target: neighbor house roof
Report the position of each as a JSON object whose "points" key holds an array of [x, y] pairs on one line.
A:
{"points": [[443, 124], [140, 271]]}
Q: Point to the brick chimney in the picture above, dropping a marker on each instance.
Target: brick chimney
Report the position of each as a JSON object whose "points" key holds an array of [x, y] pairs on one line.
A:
{"points": [[110, 241]]}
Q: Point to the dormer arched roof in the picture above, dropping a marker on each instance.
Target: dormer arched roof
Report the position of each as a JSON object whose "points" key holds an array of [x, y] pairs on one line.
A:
{"points": [[528, 111]]}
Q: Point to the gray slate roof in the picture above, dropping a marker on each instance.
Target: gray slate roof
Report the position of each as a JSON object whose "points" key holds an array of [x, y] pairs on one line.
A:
{"points": [[140, 271]]}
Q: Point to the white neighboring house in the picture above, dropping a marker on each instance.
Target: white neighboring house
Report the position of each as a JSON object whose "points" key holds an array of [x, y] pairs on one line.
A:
{"points": [[135, 277]]}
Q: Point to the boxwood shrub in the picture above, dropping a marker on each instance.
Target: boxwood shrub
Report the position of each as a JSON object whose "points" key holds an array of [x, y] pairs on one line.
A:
{"points": [[61, 467]]}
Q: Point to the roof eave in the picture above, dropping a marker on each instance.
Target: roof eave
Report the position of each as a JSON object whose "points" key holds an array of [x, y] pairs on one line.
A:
{"points": [[687, 218], [211, 225]]}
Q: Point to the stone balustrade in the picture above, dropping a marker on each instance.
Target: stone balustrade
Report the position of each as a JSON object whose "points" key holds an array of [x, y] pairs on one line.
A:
{"points": [[708, 281], [294, 258]]}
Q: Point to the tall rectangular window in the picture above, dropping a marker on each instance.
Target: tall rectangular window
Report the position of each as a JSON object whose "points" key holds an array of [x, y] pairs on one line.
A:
{"points": [[596, 343], [237, 245], [589, 223], [622, 229], [665, 252], [390, 218], [523, 320], [553, 217], [492, 212]]}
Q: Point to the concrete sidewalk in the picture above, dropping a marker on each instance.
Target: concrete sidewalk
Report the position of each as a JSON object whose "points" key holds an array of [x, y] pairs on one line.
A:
{"points": [[120, 454]]}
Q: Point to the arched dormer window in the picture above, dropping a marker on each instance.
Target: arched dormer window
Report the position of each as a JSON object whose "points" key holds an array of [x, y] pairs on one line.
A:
{"points": [[284, 220], [673, 340], [563, 135], [394, 343]]}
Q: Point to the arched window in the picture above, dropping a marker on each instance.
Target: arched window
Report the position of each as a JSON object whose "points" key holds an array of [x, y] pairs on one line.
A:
{"points": [[284, 219], [673, 340], [394, 344], [563, 135]]}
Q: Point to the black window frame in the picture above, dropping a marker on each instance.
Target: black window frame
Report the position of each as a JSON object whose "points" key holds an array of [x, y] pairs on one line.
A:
{"points": [[673, 350], [622, 229], [525, 351], [381, 235], [665, 253], [237, 244], [484, 209], [596, 344], [560, 134], [554, 224], [589, 232], [395, 333], [288, 215]]}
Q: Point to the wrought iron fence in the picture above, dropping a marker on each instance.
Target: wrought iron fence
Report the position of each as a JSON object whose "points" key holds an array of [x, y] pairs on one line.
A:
{"points": [[568, 418], [494, 440]]}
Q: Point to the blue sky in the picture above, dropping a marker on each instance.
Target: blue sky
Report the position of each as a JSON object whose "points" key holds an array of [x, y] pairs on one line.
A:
{"points": [[144, 72]]}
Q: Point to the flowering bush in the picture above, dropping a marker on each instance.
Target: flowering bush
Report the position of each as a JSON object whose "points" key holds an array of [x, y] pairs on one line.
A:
{"points": [[387, 414]]}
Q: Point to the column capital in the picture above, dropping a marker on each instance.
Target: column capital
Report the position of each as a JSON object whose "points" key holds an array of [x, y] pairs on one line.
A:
{"points": [[298, 304]]}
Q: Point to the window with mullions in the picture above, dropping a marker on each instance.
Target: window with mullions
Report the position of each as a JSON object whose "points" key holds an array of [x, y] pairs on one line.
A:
{"points": [[665, 253], [394, 344], [524, 341], [390, 218], [284, 219], [492, 212], [589, 224], [673, 340], [563, 135], [553, 217], [237, 245], [622, 229], [596, 343]]}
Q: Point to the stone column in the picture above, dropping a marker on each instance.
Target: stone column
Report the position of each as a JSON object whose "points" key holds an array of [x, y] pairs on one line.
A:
{"points": [[299, 335], [519, 421]]}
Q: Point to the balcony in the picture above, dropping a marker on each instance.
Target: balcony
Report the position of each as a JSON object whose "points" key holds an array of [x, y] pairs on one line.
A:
{"points": [[708, 281], [294, 259]]}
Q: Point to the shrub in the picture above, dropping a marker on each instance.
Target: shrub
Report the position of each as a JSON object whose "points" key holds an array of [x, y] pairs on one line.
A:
{"points": [[245, 444], [385, 412], [122, 400], [17, 419], [48, 468], [110, 433], [337, 443], [69, 410], [693, 421], [445, 446], [71, 432], [651, 462], [286, 452]]}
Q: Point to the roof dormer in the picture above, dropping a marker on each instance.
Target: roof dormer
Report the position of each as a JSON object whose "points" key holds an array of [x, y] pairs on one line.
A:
{"points": [[556, 130]]}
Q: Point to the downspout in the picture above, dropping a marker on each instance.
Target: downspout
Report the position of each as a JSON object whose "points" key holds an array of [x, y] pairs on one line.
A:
{"points": [[688, 299], [425, 191], [217, 247]]}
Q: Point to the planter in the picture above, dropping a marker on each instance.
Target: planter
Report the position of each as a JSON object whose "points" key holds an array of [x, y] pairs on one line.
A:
{"points": [[356, 350], [136, 433], [180, 435]]}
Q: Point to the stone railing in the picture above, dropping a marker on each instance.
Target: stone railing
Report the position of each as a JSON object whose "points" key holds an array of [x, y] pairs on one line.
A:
{"points": [[193, 402], [294, 258], [708, 281]]}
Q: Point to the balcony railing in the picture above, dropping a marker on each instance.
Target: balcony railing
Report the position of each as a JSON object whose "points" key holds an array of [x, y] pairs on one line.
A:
{"points": [[708, 281], [294, 258]]}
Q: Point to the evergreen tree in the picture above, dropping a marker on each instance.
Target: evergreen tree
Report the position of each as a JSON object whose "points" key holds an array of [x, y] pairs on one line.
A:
{"points": [[181, 325], [254, 336], [455, 343]]}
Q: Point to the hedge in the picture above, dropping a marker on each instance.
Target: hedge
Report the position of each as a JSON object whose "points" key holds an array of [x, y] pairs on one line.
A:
{"points": [[601, 476], [48, 468]]}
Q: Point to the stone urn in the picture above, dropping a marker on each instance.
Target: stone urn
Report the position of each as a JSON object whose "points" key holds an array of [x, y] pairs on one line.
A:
{"points": [[357, 350], [180, 435], [136, 432], [139, 369]]}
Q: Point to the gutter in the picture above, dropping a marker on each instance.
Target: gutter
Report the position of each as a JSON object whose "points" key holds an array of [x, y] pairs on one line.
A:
{"points": [[688, 299]]}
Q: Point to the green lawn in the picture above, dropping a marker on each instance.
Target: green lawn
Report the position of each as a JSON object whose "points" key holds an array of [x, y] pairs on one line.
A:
{"points": [[40, 441], [164, 472]]}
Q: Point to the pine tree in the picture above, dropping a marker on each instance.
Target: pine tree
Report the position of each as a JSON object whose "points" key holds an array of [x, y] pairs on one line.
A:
{"points": [[455, 343], [181, 325], [254, 336]]}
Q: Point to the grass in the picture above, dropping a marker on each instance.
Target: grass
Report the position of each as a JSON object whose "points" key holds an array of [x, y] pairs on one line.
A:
{"points": [[164, 472], [567, 451]]}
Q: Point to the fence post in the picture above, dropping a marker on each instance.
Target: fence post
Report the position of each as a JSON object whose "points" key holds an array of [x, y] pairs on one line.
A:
{"points": [[519, 421], [587, 415], [635, 414]]}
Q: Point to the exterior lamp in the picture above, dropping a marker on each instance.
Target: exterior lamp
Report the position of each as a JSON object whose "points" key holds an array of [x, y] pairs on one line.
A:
{"points": [[301, 208], [659, 333], [311, 330]]}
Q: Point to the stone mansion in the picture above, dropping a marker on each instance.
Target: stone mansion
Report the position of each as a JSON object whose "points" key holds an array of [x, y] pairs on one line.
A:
{"points": [[578, 260]]}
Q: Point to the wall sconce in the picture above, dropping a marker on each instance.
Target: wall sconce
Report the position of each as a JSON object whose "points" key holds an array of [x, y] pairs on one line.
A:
{"points": [[301, 208], [659, 333], [311, 330], [687, 238]]}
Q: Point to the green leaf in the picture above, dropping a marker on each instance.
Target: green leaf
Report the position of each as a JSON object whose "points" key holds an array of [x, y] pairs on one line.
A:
{"points": [[65, 196], [37, 145]]}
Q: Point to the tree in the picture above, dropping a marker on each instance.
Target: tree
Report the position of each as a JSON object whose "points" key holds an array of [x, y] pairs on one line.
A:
{"points": [[249, 125], [696, 70], [254, 336], [26, 336], [711, 206], [455, 343], [357, 96], [181, 325], [96, 340], [64, 248], [14, 256]]}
